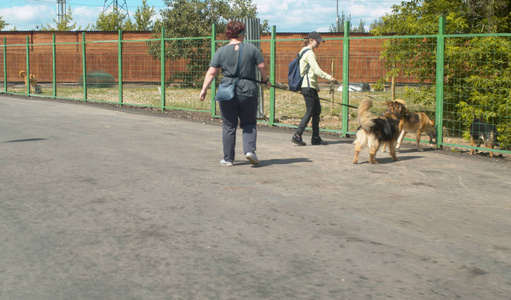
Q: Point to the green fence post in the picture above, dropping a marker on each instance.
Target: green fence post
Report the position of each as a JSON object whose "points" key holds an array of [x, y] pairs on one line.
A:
{"points": [[345, 78], [440, 60], [5, 64], [119, 59], [162, 67], [54, 66], [84, 68], [272, 74], [213, 84], [28, 67]]}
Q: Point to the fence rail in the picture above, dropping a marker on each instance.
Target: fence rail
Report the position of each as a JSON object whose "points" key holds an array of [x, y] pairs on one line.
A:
{"points": [[454, 79]]}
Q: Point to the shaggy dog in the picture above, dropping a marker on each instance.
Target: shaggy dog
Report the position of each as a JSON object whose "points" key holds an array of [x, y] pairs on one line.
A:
{"points": [[33, 82], [374, 131], [482, 133]]}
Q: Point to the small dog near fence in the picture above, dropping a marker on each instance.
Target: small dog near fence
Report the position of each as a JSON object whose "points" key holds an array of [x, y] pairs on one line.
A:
{"points": [[482, 133], [374, 131], [33, 82]]}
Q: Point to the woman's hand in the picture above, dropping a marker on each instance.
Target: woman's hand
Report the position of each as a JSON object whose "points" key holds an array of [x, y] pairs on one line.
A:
{"points": [[203, 94]]}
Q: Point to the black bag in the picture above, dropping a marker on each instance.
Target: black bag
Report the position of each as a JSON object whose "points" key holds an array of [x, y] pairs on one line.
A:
{"points": [[294, 80], [227, 91]]}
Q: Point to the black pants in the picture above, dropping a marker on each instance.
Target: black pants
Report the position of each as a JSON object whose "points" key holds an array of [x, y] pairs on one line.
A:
{"points": [[313, 107]]}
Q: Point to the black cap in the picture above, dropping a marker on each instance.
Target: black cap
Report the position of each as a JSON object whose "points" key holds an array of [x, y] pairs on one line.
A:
{"points": [[316, 36]]}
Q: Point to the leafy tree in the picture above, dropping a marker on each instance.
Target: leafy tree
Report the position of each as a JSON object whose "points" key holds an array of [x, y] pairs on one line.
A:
{"points": [[477, 69], [338, 26], [194, 18], [63, 25], [376, 23], [361, 27], [3, 24], [112, 21], [143, 17]]}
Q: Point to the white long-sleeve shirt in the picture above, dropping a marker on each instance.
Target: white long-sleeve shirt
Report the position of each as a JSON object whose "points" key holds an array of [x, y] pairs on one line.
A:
{"points": [[309, 59]]}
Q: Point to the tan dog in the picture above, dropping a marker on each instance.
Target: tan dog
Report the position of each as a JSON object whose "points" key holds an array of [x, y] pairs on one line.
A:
{"points": [[374, 131], [33, 82], [418, 123]]}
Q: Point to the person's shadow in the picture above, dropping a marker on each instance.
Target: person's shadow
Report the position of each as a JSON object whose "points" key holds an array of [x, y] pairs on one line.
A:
{"points": [[280, 161]]}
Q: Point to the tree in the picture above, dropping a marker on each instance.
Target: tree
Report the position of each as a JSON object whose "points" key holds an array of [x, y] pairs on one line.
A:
{"points": [[376, 23], [194, 18], [64, 25], [112, 21], [361, 27], [143, 17], [3, 24], [477, 69], [338, 26]]}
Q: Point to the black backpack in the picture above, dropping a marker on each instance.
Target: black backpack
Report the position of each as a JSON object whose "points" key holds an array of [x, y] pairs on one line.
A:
{"points": [[294, 80]]}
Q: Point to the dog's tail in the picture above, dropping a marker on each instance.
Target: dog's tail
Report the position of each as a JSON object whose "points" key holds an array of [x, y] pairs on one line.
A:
{"points": [[23, 73], [364, 115]]}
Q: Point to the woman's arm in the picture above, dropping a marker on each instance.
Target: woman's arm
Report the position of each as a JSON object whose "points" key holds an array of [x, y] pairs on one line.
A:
{"points": [[208, 79], [311, 59], [264, 74]]}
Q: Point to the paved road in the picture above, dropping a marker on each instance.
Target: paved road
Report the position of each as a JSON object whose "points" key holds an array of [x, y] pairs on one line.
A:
{"points": [[101, 203]]}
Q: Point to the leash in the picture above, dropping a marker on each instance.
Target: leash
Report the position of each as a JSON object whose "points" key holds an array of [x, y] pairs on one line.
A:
{"points": [[285, 89]]}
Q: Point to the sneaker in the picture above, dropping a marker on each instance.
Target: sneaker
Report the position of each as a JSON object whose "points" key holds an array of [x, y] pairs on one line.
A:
{"points": [[297, 139], [252, 158], [223, 162], [316, 140]]}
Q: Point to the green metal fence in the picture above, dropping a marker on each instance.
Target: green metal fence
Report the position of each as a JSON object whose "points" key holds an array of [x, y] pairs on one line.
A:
{"points": [[452, 78]]}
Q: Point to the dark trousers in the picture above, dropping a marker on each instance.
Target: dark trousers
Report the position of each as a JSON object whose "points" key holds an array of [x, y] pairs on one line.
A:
{"points": [[313, 107], [243, 109]]}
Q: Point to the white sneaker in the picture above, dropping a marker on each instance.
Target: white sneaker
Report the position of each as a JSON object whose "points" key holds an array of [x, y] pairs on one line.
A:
{"points": [[223, 162], [252, 158]]}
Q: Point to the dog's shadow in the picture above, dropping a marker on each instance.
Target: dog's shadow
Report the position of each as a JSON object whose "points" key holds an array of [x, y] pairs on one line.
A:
{"points": [[390, 160]]}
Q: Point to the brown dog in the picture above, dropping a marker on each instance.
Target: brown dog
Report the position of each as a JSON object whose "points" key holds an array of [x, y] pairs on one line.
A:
{"points": [[33, 82], [418, 123], [375, 131]]}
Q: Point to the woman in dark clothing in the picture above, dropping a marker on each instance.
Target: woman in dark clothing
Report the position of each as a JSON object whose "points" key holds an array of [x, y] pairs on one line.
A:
{"points": [[243, 107]]}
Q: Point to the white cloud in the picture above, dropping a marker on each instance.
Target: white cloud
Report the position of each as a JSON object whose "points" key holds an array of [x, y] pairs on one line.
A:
{"points": [[28, 16]]}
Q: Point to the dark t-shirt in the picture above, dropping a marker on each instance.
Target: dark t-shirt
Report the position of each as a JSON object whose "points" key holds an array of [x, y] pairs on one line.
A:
{"points": [[226, 58]]}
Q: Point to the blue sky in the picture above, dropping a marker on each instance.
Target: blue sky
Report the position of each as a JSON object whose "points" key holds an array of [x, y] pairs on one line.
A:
{"points": [[286, 15]]}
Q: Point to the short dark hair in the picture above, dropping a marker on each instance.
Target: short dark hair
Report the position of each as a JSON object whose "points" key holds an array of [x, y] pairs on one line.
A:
{"points": [[234, 29]]}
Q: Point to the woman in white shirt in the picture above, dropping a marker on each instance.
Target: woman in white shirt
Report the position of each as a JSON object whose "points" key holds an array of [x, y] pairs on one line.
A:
{"points": [[310, 68]]}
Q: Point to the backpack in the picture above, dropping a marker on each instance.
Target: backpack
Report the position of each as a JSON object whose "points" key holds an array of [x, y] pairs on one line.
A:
{"points": [[294, 80]]}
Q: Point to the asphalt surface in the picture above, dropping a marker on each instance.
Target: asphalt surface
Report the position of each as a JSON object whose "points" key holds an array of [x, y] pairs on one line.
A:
{"points": [[107, 203]]}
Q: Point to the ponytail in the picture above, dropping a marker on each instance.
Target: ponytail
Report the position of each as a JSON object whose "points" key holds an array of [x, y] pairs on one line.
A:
{"points": [[305, 42]]}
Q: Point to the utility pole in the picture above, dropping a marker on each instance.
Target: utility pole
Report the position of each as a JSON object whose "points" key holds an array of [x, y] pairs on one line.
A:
{"points": [[114, 4], [338, 29], [61, 11]]}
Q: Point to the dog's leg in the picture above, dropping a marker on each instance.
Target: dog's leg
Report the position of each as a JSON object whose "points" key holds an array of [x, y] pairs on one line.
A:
{"points": [[384, 148], [419, 134], [472, 143], [373, 148], [357, 152], [490, 146], [400, 139], [392, 149]]}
